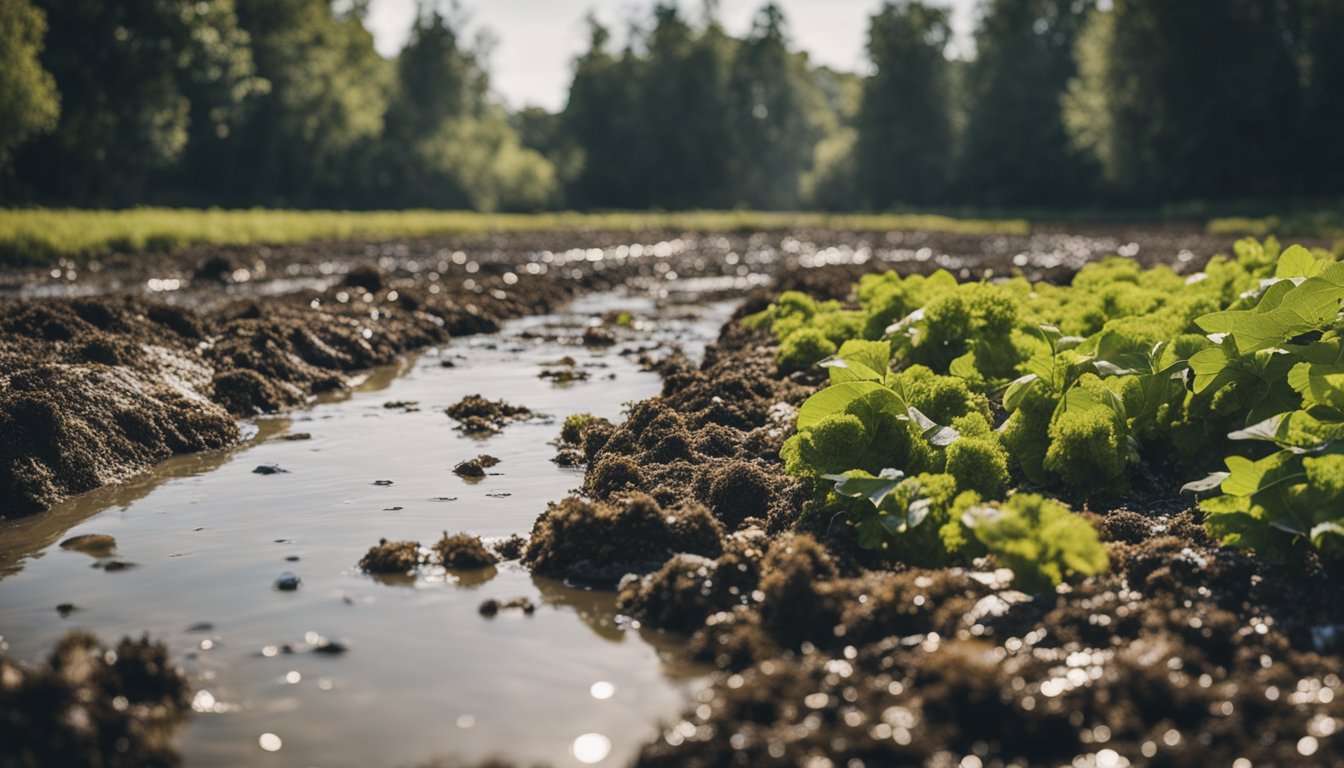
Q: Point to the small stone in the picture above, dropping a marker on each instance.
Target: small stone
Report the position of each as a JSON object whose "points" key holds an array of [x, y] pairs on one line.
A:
{"points": [[297, 436], [598, 337], [288, 582], [475, 468], [269, 469], [65, 609], [330, 647], [383, 483], [492, 607], [95, 544]]}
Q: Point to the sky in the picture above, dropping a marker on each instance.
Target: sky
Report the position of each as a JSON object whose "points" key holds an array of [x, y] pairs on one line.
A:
{"points": [[538, 39]]}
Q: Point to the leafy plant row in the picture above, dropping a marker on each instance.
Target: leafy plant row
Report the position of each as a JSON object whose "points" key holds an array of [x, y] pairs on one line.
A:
{"points": [[943, 396]]}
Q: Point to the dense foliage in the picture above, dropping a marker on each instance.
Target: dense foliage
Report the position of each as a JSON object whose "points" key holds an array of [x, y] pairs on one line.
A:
{"points": [[1057, 102], [944, 394], [28, 101]]}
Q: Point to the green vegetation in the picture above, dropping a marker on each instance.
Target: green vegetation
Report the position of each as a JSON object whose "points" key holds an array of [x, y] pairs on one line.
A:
{"points": [[1278, 358], [1323, 224], [28, 101], [37, 235], [1064, 105], [572, 430], [1039, 539], [942, 392]]}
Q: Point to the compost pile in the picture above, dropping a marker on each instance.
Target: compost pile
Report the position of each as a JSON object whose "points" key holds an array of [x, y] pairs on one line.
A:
{"points": [[916, 521]]}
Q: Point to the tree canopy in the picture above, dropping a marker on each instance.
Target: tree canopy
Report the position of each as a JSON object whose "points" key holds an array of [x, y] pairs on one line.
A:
{"points": [[1057, 103]]}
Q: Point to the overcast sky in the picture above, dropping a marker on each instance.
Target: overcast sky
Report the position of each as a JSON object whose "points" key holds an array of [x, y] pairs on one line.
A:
{"points": [[538, 39]]}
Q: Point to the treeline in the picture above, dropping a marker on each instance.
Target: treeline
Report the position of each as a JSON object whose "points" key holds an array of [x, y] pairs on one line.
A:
{"points": [[286, 103]]}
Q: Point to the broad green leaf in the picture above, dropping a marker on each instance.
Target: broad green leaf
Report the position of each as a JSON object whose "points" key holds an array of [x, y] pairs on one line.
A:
{"points": [[1298, 262], [837, 398], [1051, 335], [1248, 478], [1208, 365], [1320, 385], [893, 516], [964, 367], [937, 435], [1311, 306], [1042, 364], [1269, 298], [1214, 480], [1080, 399], [1111, 358], [859, 360], [1273, 430], [1018, 390], [858, 485]]}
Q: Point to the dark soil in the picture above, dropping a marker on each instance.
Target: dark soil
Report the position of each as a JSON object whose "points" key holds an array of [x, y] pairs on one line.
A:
{"points": [[476, 415], [1184, 655], [88, 705], [598, 542], [392, 558], [93, 390], [492, 606], [511, 548], [461, 551], [475, 468]]}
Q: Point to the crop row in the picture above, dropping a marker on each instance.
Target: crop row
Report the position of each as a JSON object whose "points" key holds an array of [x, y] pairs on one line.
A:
{"points": [[957, 412]]}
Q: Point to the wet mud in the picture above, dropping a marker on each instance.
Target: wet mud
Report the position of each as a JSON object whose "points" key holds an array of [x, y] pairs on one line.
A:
{"points": [[94, 390], [109, 365], [1185, 653]]}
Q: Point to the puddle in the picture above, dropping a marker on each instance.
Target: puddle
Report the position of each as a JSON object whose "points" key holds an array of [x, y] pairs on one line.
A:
{"points": [[424, 675]]}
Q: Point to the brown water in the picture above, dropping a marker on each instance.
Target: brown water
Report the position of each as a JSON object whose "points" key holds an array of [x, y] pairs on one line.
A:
{"points": [[425, 677]]}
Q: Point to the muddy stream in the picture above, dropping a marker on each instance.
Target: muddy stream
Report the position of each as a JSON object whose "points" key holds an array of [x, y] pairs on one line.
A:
{"points": [[417, 673]]}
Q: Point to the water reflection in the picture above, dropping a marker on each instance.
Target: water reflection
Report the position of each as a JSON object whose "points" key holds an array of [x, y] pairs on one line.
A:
{"points": [[210, 539]]}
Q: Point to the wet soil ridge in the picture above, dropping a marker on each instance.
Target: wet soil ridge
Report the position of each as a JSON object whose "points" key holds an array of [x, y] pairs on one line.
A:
{"points": [[1184, 654], [117, 706], [94, 390]]}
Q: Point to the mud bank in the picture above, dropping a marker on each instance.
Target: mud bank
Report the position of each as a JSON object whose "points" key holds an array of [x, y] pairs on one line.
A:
{"points": [[1183, 654], [110, 365], [96, 389]]}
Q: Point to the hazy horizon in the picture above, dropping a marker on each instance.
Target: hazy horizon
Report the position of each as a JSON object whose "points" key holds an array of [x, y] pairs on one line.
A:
{"points": [[538, 39]]}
